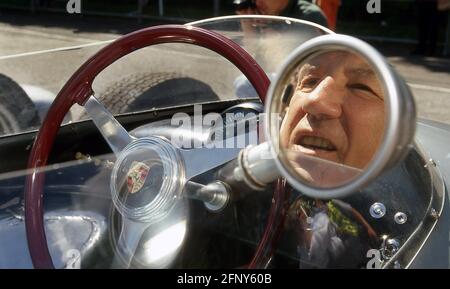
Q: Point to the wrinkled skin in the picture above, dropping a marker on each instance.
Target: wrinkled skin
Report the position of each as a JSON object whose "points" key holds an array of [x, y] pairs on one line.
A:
{"points": [[336, 112]]}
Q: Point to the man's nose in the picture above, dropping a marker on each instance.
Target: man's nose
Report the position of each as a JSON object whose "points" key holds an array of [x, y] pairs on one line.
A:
{"points": [[325, 101]]}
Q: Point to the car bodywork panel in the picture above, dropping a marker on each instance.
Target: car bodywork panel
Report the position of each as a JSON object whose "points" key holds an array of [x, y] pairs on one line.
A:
{"points": [[72, 223]]}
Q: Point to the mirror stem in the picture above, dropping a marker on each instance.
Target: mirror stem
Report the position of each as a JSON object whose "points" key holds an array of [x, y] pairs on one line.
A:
{"points": [[214, 195], [254, 169]]}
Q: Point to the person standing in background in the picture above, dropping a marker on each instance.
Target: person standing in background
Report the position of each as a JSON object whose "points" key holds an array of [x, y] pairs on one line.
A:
{"points": [[300, 9], [428, 25], [444, 7], [330, 8]]}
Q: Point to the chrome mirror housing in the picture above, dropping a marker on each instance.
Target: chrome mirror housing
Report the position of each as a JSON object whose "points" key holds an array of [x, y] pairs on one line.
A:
{"points": [[337, 116]]}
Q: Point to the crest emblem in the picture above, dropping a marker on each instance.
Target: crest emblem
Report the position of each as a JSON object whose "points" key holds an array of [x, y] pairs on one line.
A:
{"points": [[136, 176]]}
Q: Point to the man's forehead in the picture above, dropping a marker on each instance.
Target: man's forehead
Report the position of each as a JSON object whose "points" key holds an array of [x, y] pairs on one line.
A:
{"points": [[350, 63]]}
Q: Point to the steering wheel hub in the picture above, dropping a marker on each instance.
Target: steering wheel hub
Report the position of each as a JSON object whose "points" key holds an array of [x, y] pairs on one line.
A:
{"points": [[147, 179]]}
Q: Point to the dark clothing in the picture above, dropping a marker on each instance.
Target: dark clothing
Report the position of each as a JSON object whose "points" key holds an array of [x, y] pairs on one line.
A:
{"points": [[428, 25], [305, 10]]}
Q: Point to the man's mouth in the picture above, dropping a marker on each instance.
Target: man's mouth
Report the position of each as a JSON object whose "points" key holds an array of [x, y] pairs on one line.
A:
{"points": [[316, 143]]}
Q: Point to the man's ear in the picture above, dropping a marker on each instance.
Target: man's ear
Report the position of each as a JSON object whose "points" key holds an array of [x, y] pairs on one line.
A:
{"points": [[287, 94]]}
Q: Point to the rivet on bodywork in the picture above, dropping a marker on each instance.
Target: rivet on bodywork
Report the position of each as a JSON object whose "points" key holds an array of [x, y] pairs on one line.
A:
{"points": [[377, 210], [389, 248], [400, 218]]}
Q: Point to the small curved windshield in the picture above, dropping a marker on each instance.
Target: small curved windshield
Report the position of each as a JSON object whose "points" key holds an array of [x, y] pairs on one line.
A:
{"points": [[160, 76]]}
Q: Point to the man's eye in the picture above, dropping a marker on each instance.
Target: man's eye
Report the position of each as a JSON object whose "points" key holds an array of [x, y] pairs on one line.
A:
{"points": [[362, 87], [308, 83]]}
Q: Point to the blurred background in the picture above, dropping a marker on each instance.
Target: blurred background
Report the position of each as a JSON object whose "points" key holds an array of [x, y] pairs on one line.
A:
{"points": [[31, 25], [397, 20]]}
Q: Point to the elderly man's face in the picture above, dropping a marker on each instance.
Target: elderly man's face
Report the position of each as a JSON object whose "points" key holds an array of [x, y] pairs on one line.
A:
{"points": [[337, 110]]}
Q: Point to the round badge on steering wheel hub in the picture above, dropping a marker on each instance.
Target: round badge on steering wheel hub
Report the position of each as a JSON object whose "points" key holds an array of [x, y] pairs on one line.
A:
{"points": [[147, 179]]}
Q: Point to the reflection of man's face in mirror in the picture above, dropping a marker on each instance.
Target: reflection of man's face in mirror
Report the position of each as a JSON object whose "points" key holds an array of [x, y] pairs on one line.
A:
{"points": [[337, 110]]}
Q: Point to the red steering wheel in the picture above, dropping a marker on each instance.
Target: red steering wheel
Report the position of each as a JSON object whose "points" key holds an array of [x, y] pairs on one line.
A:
{"points": [[79, 90]]}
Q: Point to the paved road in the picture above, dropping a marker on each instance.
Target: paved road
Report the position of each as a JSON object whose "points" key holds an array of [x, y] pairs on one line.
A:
{"points": [[429, 78]]}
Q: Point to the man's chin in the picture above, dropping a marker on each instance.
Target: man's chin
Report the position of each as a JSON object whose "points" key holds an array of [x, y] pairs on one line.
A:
{"points": [[318, 171]]}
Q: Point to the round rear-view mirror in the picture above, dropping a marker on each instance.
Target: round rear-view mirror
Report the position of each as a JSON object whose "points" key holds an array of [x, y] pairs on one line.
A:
{"points": [[337, 116]]}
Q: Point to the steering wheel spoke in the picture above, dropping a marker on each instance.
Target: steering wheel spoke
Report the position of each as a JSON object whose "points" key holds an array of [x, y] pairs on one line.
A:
{"points": [[113, 132], [128, 241], [201, 160]]}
